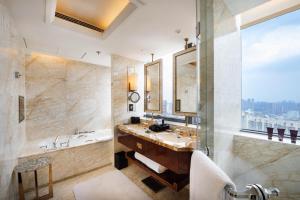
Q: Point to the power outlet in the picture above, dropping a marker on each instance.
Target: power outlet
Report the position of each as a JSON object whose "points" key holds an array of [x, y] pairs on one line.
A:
{"points": [[131, 107]]}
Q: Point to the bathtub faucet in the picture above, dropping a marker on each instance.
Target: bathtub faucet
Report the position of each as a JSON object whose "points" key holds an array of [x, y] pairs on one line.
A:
{"points": [[55, 142], [67, 143]]}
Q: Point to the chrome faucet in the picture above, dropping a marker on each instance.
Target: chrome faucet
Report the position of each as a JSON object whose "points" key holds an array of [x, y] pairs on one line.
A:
{"points": [[76, 131], [55, 142], [67, 144]]}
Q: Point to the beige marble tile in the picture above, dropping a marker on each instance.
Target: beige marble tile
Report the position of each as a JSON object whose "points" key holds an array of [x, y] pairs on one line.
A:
{"points": [[71, 162], [63, 95], [120, 113], [63, 190], [136, 174], [272, 164], [12, 133]]}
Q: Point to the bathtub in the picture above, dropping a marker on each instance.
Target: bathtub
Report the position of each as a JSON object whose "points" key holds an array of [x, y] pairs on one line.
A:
{"points": [[71, 155]]}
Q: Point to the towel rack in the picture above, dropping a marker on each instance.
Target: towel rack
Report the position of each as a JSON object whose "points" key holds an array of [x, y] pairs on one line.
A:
{"points": [[253, 192]]}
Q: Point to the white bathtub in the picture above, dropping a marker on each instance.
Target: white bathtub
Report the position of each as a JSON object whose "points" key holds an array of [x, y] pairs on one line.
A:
{"points": [[65, 141], [72, 155]]}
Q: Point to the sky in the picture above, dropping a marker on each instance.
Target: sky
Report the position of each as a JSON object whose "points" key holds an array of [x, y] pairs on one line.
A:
{"points": [[271, 59]]}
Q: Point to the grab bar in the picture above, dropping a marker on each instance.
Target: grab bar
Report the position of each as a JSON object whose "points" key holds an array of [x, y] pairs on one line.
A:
{"points": [[253, 192]]}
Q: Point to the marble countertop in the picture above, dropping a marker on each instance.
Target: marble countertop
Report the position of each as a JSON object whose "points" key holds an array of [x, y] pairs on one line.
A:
{"points": [[166, 139], [32, 165]]}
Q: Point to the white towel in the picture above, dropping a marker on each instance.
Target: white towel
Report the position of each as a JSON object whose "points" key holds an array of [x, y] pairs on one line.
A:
{"points": [[150, 163], [207, 180]]}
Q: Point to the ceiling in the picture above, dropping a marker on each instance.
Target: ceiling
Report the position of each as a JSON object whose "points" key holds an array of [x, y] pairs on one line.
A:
{"points": [[267, 11], [155, 26], [238, 6], [100, 13]]}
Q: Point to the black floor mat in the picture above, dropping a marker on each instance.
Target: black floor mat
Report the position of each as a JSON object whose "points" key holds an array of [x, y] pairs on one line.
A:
{"points": [[153, 184]]}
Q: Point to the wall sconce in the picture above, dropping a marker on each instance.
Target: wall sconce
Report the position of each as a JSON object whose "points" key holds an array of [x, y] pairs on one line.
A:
{"points": [[132, 82], [133, 95]]}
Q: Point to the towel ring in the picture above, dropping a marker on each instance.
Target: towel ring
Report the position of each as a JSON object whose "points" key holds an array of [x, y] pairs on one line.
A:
{"points": [[253, 192]]}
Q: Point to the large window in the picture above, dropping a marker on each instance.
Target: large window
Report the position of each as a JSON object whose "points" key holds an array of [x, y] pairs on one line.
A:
{"points": [[271, 74]]}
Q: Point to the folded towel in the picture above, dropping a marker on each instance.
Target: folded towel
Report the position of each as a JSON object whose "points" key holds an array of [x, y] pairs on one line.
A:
{"points": [[207, 180], [150, 163]]}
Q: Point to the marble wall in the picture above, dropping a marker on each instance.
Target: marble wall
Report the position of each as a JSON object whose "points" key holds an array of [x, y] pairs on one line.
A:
{"points": [[12, 133], [120, 113], [64, 95], [270, 163]]}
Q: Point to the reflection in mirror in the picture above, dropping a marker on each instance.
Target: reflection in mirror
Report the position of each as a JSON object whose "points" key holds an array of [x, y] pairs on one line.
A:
{"points": [[153, 87], [185, 82]]}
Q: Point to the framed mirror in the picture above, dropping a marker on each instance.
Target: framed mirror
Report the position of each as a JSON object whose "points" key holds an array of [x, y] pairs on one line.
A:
{"points": [[185, 82], [153, 87]]}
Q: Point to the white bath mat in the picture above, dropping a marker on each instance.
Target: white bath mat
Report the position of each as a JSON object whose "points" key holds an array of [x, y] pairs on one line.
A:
{"points": [[110, 186]]}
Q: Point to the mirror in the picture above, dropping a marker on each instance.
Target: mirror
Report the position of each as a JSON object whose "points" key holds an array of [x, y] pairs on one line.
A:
{"points": [[134, 97], [153, 87], [185, 82]]}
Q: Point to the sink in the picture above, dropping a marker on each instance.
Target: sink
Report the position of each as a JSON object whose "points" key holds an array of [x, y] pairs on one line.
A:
{"points": [[173, 139]]}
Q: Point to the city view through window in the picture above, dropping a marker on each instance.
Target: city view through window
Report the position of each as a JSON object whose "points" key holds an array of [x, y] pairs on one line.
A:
{"points": [[271, 74]]}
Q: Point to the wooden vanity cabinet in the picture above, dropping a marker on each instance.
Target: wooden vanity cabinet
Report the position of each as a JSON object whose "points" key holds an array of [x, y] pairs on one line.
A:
{"points": [[176, 161]]}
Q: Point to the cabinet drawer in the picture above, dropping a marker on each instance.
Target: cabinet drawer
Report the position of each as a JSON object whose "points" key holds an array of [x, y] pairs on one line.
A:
{"points": [[132, 142], [178, 162]]}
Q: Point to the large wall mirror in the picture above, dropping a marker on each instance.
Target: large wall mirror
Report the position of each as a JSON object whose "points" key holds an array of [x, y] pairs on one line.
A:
{"points": [[153, 87], [185, 82]]}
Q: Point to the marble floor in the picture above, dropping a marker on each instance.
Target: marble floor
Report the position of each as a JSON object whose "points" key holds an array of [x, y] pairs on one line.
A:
{"points": [[63, 190]]}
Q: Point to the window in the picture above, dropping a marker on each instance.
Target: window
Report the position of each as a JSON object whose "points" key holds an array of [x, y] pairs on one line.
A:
{"points": [[271, 74]]}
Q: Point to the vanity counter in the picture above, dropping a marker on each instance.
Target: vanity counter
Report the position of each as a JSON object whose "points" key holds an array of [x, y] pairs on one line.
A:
{"points": [[170, 140], [168, 149]]}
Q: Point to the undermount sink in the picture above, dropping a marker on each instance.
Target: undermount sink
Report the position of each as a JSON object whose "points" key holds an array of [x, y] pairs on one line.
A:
{"points": [[173, 139]]}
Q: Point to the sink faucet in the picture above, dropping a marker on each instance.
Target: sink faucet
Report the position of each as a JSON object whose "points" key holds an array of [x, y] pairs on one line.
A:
{"points": [[76, 131], [161, 119]]}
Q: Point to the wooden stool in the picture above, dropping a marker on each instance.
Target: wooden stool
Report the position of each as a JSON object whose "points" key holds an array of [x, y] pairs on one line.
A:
{"points": [[33, 166]]}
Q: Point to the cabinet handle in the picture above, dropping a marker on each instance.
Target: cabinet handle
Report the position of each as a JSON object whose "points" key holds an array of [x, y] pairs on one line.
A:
{"points": [[139, 145]]}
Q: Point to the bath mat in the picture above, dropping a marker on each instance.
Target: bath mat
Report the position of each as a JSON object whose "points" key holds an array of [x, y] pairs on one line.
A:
{"points": [[153, 184], [110, 186]]}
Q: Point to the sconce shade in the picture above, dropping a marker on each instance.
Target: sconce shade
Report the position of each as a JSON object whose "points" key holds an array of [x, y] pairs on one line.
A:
{"points": [[132, 82], [148, 84]]}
